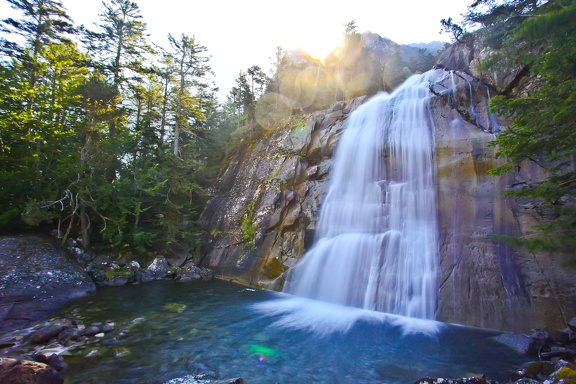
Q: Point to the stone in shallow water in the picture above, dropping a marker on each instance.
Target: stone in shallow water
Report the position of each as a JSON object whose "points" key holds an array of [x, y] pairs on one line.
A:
{"points": [[174, 308], [92, 330], [108, 327], [203, 379], [518, 342], [45, 333], [69, 334]]}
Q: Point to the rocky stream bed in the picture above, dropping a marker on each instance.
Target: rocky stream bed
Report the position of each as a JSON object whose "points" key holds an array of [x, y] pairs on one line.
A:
{"points": [[38, 278]]}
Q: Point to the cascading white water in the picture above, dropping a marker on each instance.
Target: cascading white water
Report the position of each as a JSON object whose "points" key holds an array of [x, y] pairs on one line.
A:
{"points": [[377, 240]]}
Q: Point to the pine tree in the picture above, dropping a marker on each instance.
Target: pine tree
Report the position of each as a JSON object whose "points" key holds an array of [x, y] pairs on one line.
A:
{"points": [[120, 45], [38, 136], [190, 69]]}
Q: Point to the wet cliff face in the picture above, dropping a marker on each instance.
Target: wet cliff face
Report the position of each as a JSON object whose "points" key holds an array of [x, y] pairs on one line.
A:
{"points": [[483, 281], [262, 219]]}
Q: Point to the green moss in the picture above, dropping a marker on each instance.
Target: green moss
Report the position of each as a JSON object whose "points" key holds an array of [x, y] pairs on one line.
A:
{"points": [[174, 308], [118, 272], [248, 227], [565, 373], [273, 269]]}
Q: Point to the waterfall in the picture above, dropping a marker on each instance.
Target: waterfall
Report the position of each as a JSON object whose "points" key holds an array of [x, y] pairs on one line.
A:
{"points": [[376, 245], [493, 123]]}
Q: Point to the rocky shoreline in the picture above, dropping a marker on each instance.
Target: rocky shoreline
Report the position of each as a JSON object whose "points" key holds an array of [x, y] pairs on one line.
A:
{"points": [[35, 272], [37, 277], [38, 353]]}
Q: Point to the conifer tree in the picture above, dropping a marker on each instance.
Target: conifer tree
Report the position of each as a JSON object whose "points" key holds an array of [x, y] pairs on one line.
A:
{"points": [[39, 76], [191, 68], [120, 45]]}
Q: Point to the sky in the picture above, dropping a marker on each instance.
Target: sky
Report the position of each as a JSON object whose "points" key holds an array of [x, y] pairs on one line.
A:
{"points": [[243, 33]]}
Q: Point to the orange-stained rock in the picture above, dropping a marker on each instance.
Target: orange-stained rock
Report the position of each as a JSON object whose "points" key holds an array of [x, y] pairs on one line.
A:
{"points": [[14, 371]]}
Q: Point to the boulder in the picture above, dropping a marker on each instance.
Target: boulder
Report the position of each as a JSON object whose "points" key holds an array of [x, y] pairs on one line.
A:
{"points": [[157, 270], [572, 324], [13, 371], [46, 333], [106, 271], [192, 272], [37, 277], [516, 341]]}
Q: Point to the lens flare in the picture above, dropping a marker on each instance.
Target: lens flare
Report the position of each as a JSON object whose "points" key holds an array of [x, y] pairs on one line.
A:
{"points": [[320, 45]]}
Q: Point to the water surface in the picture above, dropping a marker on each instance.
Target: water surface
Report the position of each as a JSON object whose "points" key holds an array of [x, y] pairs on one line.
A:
{"points": [[227, 330]]}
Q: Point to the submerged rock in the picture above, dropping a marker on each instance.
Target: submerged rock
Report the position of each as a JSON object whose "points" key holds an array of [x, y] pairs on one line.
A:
{"points": [[174, 308], [46, 333], [464, 380], [203, 379]]}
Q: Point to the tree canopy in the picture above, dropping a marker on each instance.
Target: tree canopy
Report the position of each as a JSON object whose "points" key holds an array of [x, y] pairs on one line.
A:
{"points": [[99, 139]]}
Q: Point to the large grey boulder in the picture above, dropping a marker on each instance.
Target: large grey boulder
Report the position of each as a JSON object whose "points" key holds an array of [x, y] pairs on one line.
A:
{"points": [[36, 279]]}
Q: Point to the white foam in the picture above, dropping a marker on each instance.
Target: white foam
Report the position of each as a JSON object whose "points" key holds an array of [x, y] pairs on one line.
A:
{"points": [[324, 319]]}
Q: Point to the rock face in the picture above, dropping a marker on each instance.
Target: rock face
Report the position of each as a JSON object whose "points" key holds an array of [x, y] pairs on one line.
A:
{"points": [[262, 219], [36, 279], [485, 282], [506, 288], [465, 59]]}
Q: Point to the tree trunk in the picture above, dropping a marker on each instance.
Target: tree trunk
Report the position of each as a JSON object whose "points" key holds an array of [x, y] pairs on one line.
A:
{"points": [[84, 223]]}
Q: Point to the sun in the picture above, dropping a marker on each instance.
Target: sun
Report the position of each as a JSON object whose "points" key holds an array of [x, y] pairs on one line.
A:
{"points": [[321, 43]]}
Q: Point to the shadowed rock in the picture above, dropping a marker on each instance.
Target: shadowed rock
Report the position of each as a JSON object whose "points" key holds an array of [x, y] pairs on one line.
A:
{"points": [[36, 279]]}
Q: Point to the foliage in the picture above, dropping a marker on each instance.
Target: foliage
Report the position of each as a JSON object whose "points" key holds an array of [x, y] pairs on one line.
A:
{"points": [[100, 141], [350, 28], [248, 227], [541, 37], [449, 26]]}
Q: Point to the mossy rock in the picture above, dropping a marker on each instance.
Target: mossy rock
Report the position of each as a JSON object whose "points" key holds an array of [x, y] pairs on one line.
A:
{"points": [[174, 308], [122, 272], [534, 369], [273, 269], [566, 374]]}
